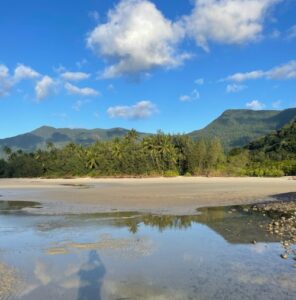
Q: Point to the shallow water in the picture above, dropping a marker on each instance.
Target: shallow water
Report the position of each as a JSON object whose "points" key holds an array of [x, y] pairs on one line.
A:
{"points": [[133, 256]]}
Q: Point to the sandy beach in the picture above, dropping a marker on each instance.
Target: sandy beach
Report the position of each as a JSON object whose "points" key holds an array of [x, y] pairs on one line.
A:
{"points": [[180, 195]]}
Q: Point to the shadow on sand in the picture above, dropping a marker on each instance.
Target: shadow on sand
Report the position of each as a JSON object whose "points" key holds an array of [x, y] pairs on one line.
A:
{"points": [[91, 275]]}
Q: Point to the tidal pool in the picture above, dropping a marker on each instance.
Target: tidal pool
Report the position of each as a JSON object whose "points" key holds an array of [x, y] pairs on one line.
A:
{"points": [[211, 255]]}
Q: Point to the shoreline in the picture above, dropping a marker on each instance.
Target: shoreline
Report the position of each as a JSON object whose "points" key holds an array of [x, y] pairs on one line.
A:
{"points": [[159, 195]]}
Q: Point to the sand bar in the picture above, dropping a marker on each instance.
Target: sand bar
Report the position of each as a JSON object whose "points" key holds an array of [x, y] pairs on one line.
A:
{"points": [[180, 195]]}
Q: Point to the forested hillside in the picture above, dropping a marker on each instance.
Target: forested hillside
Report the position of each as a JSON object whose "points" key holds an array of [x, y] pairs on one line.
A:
{"points": [[60, 137], [237, 128], [274, 154]]}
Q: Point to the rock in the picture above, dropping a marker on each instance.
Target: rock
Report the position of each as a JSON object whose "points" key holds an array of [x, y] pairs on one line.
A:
{"points": [[284, 256]]}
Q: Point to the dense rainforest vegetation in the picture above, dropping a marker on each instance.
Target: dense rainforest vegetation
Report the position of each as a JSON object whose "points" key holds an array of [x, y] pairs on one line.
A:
{"points": [[159, 154]]}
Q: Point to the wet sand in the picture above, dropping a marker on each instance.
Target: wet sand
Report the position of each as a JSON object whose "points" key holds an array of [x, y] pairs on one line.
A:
{"points": [[180, 195]]}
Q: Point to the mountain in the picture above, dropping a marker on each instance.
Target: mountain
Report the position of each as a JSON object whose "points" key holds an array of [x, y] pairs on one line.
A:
{"points": [[60, 136], [280, 145], [238, 127], [235, 128]]}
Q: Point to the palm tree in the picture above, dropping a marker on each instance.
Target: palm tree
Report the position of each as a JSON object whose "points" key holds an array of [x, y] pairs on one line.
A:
{"points": [[151, 147], [91, 162], [132, 135]]}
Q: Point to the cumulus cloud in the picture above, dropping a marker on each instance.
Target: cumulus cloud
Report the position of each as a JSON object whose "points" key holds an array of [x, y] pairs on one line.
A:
{"points": [[137, 37], [227, 21], [188, 98], [255, 105], [23, 72], [141, 110], [75, 76], [234, 88], [246, 76], [284, 71], [75, 90], [5, 82], [44, 87]]}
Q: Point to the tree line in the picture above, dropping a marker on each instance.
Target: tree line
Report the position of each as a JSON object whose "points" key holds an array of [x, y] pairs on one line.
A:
{"points": [[155, 155]]}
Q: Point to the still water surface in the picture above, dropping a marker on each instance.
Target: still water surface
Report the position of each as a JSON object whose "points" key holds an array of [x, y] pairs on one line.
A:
{"points": [[134, 256]]}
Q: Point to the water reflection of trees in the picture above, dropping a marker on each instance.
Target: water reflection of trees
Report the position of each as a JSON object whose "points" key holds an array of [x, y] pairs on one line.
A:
{"points": [[236, 224], [161, 222]]}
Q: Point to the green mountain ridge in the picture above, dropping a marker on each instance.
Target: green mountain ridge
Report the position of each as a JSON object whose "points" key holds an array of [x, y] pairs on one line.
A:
{"points": [[237, 128], [38, 138]]}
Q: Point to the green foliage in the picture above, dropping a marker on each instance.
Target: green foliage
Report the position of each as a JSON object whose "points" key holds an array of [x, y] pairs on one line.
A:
{"points": [[237, 128], [274, 155], [153, 155], [170, 173], [158, 155]]}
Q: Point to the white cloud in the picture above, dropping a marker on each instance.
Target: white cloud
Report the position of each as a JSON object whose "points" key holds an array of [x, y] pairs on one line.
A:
{"points": [[234, 88], [199, 81], [284, 71], [246, 76], [4, 71], [44, 87], [227, 21], [59, 69], [75, 76], [255, 105], [188, 98], [185, 98], [79, 103], [292, 32], [5, 82], [140, 110], [23, 72], [195, 94], [138, 38], [75, 90]]}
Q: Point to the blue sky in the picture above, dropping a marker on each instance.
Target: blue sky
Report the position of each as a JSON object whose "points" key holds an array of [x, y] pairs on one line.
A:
{"points": [[142, 64]]}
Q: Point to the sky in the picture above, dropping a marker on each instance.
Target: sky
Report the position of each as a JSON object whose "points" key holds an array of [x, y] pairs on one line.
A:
{"points": [[145, 64]]}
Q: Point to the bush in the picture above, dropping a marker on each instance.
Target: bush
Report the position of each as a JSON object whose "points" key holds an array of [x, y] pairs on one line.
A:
{"points": [[170, 173], [187, 174]]}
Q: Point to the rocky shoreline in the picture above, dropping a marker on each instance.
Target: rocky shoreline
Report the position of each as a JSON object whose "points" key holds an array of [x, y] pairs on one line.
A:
{"points": [[282, 224]]}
